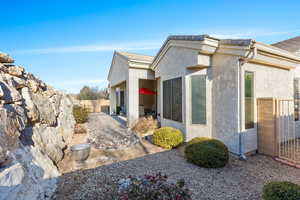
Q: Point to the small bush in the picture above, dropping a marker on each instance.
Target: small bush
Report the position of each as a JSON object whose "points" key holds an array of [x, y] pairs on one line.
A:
{"points": [[206, 152], [152, 187], [167, 137], [145, 125], [281, 191], [80, 114]]}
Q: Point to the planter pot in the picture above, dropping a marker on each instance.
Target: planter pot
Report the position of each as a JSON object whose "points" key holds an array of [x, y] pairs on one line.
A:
{"points": [[80, 152]]}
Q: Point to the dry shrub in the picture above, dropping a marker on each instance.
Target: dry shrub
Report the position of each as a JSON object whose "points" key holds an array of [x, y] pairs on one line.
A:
{"points": [[145, 125]]}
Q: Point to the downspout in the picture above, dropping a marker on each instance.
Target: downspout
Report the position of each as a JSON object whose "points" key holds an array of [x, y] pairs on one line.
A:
{"points": [[242, 61]]}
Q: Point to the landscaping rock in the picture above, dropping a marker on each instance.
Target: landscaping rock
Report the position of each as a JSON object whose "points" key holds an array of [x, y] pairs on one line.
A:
{"points": [[107, 133], [36, 124], [5, 58], [31, 175], [31, 109], [15, 71]]}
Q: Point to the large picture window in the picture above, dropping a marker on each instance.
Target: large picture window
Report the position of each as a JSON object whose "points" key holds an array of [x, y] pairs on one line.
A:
{"points": [[296, 99], [198, 85], [249, 100], [172, 99]]}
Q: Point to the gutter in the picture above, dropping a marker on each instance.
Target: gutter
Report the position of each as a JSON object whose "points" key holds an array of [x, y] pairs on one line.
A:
{"points": [[242, 61]]}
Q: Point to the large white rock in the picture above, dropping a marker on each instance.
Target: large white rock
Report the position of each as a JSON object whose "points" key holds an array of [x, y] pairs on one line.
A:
{"points": [[15, 71], [11, 124], [48, 139], [10, 93], [31, 176], [31, 109], [5, 58], [36, 125], [65, 121]]}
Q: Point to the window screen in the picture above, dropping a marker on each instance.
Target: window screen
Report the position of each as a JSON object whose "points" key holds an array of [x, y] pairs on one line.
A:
{"points": [[249, 100], [198, 85], [172, 99]]}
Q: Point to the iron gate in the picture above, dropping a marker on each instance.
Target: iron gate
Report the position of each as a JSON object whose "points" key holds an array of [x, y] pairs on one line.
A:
{"points": [[288, 139]]}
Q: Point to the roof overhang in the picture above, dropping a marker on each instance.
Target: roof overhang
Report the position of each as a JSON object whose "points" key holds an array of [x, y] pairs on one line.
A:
{"points": [[132, 63], [205, 45], [259, 53]]}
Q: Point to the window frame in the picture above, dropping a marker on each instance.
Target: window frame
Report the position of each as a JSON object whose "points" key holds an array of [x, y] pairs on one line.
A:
{"points": [[191, 101], [253, 96], [171, 99]]}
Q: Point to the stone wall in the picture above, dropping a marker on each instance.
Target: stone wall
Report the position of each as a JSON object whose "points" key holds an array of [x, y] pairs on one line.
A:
{"points": [[36, 125]]}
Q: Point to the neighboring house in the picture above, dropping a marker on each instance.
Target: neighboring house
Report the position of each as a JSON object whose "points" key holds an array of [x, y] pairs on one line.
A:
{"points": [[206, 87]]}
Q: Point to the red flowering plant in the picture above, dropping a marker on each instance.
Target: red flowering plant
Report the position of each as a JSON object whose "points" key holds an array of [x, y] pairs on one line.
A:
{"points": [[152, 187]]}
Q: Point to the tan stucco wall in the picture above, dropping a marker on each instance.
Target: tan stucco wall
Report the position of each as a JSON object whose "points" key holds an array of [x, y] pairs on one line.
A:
{"points": [[268, 82], [225, 100], [173, 65], [132, 88], [118, 71], [225, 91]]}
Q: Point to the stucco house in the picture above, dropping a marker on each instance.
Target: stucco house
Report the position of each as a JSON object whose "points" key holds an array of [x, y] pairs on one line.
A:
{"points": [[205, 86]]}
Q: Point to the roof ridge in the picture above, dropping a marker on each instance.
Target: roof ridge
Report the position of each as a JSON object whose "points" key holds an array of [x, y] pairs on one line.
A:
{"points": [[134, 53]]}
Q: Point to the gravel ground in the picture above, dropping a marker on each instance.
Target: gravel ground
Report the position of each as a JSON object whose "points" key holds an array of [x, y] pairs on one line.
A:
{"points": [[107, 133], [238, 180]]}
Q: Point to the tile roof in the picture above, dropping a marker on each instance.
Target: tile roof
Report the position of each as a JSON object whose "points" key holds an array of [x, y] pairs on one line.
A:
{"points": [[138, 57], [237, 42], [292, 45]]}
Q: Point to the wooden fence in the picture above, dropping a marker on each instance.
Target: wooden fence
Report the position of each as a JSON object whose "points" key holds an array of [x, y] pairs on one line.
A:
{"points": [[276, 129]]}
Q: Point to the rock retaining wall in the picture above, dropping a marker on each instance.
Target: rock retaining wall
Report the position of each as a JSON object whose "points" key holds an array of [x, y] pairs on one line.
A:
{"points": [[36, 125]]}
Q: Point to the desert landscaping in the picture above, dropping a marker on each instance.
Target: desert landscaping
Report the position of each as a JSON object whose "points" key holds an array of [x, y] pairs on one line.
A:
{"points": [[149, 100], [38, 129]]}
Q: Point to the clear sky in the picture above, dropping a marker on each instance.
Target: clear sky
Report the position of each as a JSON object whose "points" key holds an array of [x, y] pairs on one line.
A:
{"points": [[69, 44]]}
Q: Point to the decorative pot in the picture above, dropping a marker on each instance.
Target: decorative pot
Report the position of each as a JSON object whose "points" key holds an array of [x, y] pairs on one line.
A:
{"points": [[80, 152]]}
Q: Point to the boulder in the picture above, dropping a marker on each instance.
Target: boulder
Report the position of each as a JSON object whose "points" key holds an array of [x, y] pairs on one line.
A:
{"points": [[10, 93], [48, 139], [31, 109], [5, 58], [11, 124], [19, 83], [1, 92], [65, 121], [45, 108], [31, 175], [15, 71], [33, 85], [36, 125]]}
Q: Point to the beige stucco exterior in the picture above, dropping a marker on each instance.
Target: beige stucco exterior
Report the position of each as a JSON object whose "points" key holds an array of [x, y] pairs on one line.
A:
{"points": [[124, 75], [224, 64]]}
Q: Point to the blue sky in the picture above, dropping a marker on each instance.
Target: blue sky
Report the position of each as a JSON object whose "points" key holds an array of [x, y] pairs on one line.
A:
{"points": [[69, 44]]}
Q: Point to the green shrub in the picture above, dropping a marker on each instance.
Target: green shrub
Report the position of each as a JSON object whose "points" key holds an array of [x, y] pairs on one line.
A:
{"points": [[207, 152], [167, 137], [281, 191], [80, 114]]}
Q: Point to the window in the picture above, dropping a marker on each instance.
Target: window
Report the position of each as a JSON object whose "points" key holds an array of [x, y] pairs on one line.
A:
{"points": [[172, 99], [296, 99], [198, 85], [249, 100]]}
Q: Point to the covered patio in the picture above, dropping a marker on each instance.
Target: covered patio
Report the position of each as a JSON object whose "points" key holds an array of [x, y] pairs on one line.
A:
{"points": [[132, 86]]}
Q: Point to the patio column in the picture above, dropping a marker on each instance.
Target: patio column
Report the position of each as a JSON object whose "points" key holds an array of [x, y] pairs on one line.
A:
{"points": [[112, 100], [132, 96]]}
